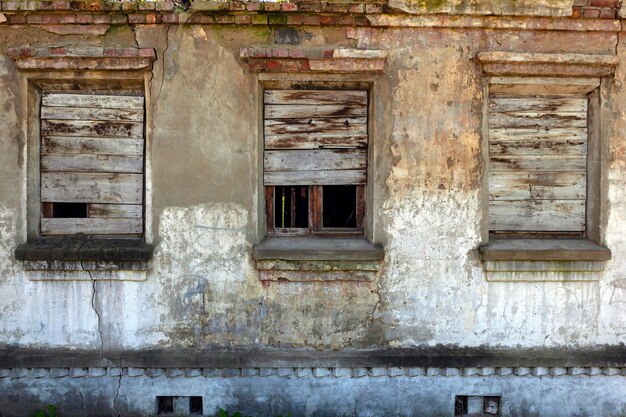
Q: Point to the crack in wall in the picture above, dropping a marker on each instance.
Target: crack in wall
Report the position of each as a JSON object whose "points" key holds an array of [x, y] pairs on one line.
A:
{"points": [[167, 46], [117, 393]]}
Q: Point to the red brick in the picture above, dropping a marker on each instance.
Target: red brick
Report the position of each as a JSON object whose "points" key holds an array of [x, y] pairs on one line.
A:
{"points": [[151, 18], [84, 19], [146, 53], [576, 12], [310, 7], [339, 8], [294, 20], [169, 18], [304, 64], [603, 3], [327, 20], [146, 5], [17, 19], [289, 7], [273, 65], [361, 21], [296, 53], [10, 6], [591, 12], [34, 19], [256, 64], [328, 53], [253, 6], [61, 5], [373, 8], [136, 18], [608, 13], [271, 7], [242, 19], [257, 52], [345, 20], [280, 53], [237, 6], [129, 5], [311, 20], [116, 19], [225, 19], [104, 18], [164, 6], [291, 65], [50, 19], [57, 51], [356, 8]]}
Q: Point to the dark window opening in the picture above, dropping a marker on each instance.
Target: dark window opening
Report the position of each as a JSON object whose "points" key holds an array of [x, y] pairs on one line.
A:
{"points": [[460, 405], [492, 406], [165, 405], [65, 210], [291, 207], [195, 405], [339, 206]]}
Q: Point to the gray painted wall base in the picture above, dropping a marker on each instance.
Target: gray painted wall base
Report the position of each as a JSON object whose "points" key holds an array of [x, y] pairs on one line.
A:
{"points": [[315, 392]]}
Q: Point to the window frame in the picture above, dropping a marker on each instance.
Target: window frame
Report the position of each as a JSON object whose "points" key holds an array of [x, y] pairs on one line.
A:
{"points": [[315, 82], [88, 81]]}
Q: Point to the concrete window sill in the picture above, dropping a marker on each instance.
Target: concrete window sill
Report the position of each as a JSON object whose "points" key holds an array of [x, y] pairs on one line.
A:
{"points": [[503, 258], [84, 258], [317, 259]]}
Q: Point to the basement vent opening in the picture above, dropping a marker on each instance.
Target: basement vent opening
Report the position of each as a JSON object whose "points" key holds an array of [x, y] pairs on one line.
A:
{"points": [[179, 405], [475, 406]]}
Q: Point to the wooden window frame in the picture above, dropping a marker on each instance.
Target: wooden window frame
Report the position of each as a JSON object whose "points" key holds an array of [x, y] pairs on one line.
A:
{"points": [[102, 82], [316, 191], [316, 215], [593, 90]]}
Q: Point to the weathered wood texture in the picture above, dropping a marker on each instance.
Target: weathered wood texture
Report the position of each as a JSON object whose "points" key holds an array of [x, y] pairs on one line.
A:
{"points": [[537, 164], [315, 137], [92, 151], [91, 226]]}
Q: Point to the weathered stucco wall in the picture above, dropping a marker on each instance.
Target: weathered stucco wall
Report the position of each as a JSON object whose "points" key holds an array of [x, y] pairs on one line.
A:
{"points": [[203, 289]]}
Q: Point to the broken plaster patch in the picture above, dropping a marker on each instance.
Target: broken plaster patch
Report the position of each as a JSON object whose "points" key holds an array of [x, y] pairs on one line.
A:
{"points": [[3, 18]]}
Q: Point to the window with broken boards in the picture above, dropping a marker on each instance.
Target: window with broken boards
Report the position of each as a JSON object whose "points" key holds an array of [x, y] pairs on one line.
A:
{"points": [[315, 161], [92, 163]]}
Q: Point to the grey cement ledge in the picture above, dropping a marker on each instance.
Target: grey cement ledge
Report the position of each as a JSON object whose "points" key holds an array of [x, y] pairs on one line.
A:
{"points": [[435, 357], [543, 250], [84, 249], [318, 249]]}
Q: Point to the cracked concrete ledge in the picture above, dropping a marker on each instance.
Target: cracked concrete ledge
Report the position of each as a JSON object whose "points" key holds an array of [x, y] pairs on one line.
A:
{"points": [[331, 372]]}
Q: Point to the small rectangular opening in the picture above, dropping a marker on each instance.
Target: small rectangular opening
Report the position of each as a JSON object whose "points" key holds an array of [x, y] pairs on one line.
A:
{"points": [[460, 405], [165, 405], [195, 406], [339, 206], [65, 210], [291, 207], [491, 406]]}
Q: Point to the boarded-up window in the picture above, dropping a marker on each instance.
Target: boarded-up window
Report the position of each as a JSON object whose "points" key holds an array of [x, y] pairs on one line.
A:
{"points": [[315, 160], [92, 164], [538, 164]]}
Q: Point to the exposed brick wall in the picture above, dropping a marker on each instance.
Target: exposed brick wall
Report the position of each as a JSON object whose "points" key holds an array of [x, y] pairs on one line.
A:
{"points": [[594, 9]]}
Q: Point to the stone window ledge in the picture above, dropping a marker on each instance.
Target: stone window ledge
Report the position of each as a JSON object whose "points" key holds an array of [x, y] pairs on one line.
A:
{"points": [[84, 253], [317, 259], [503, 256], [82, 58]]}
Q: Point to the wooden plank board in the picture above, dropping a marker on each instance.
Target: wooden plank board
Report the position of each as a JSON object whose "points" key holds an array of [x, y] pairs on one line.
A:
{"points": [[335, 177], [537, 119], [566, 163], [91, 128], [314, 160], [315, 141], [91, 113], [76, 187], [92, 163], [277, 111], [537, 186], [67, 226], [92, 100], [544, 133], [77, 145], [532, 146], [540, 215], [536, 104], [122, 211], [315, 97], [353, 125]]}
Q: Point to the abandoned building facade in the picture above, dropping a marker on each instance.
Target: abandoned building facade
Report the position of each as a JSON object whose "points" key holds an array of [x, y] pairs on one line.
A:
{"points": [[343, 208]]}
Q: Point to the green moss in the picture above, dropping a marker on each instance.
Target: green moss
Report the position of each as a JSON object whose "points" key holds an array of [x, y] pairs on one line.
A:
{"points": [[432, 4]]}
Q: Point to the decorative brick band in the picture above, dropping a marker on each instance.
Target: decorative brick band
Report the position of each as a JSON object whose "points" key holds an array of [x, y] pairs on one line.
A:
{"points": [[539, 64], [313, 60], [17, 373], [82, 58]]}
